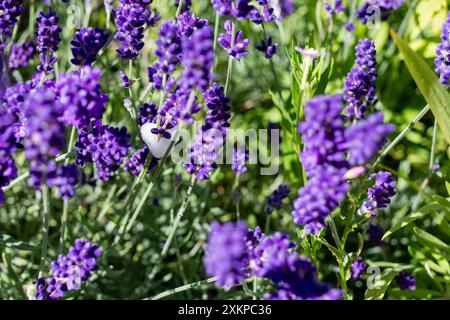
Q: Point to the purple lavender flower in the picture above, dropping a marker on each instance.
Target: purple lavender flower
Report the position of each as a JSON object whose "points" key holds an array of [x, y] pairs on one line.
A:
{"points": [[337, 8], [443, 55], [375, 234], [105, 146], [263, 12], [240, 9], [81, 94], [232, 42], [181, 107], [323, 133], [218, 107], [70, 271], [240, 157], [65, 179], [379, 196], [21, 55], [360, 89], [286, 7], [275, 201], [86, 44], [357, 268], [350, 27], [204, 150], [124, 78], [366, 138], [131, 19], [48, 39], [44, 134], [226, 254], [320, 197], [148, 112], [8, 172], [136, 162], [406, 281], [188, 23], [11, 10], [168, 47], [267, 47], [198, 59], [377, 9], [294, 276]]}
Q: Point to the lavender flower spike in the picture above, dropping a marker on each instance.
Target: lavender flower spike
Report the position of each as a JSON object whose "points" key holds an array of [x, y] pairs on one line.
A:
{"points": [[360, 89], [226, 254], [233, 42], [443, 55], [86, 44], [267, 47], [11, 10], [21, 55], [69, 271], [379, 196], [406, 281], [48, 39], [198, 59]]}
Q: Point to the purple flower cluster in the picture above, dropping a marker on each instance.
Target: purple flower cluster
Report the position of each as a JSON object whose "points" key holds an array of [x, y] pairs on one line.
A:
{"points": [[181, 106], [168, 48], [65, 179], [44, 134], [377, 9], [267, 47], [226, 255], [131, 18], [8, 170], [360, 88], [260, 12], [105, 146], [294, 276], [443, 54], [406, 281], [70, 271], [211, 137], [240, 158], [380, 194], [81, 94], [286, 7], [321, 196], [136, 162], [234, 252], [197, 59], [330, 149], [188, 23], [337, 8], [275, 201], [86, 44], [357, 268], [361, 148], [48, 39], [11, 10], [233, 42], [21, 55]]}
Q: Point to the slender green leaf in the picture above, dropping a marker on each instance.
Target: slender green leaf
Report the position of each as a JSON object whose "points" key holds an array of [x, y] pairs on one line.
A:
{"points": [[447, 186], [421, 213], [429, 240], [434, 93], [10, 242], [381, 284]]}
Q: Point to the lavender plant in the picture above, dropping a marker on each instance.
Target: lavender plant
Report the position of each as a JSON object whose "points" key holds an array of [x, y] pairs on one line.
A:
{"points": [[173, 134]]}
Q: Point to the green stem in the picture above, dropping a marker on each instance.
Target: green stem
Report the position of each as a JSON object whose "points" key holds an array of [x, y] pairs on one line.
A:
{"points": [[179, 215], [46, 216], [405, 131], [230, 59], [180, 5], [216, 35], [183, 288], [62, 236]]}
